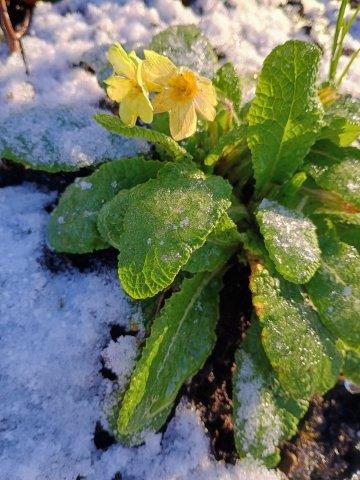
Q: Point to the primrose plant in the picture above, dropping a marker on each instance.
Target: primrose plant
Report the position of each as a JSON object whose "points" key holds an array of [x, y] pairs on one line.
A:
{"points": [[273, 184]]}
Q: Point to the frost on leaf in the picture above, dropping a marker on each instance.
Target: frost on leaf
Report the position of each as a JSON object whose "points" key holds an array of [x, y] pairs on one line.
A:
{"points": [[60, 138], [219, 246], [187, 46], [167, 219], [285, 115], [264, 414], [300, 349], [180, 340], [342, 119], [335, 290], [291, 241], [73, 224], [336, 169]]}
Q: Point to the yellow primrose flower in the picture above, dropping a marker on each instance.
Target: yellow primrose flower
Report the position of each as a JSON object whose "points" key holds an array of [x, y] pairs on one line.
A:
{"points": [[182, 93], [127, 88]]}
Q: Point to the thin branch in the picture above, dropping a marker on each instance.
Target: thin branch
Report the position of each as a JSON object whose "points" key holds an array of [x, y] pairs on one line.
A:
{"points": [[13, 35]]}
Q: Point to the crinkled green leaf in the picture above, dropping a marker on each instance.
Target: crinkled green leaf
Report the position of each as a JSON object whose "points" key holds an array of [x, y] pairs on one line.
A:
{"points": [[167, 219], [351, 368], [264, 414], [219, 246], [336, 169], [186, 45], [335, 290], [237, 134], [114, 124], [290, 239], [300, 349], [342, 118], [73, 224], [285, 115], [181, 339], [228, 82]]}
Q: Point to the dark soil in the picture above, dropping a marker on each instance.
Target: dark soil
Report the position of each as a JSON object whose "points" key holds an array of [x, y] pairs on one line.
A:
{"points": [[327, 446]]}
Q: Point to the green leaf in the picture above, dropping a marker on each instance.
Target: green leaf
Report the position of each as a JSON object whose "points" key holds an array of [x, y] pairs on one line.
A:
{"points": [[335, 290], [72, 227], [342, 119], [59, 138], [167, 219], [349, 234], [290, 239], [336, 169], [351, 368], [285, 115], [181, 339], [110, 221], [187, 46], [219, 246], [228, 82], [114, 124], [300, 349], [264, 414], [237, 134]]}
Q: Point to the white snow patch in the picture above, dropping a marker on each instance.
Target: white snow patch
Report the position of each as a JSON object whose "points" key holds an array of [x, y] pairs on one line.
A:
{"points": [[120, 357], [260, 423]]}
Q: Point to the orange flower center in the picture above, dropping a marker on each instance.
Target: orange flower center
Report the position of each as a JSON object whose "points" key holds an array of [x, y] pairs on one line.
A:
{"points": [[183, 86]]}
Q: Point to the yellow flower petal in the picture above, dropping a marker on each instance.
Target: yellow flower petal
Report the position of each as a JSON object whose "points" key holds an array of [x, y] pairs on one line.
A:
{"points": [[162, 102], [127, 112], [157, 70], [182, 120], [117, 88], [121, 62], [204, 107], [206, 89], [144, 109]]}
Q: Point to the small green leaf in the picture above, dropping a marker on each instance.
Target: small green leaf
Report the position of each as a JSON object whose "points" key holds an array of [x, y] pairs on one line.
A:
{"points": [[291, 241], [351, 368], [342, 119], [181, 339], [300, 349], [264, 414], [237, 134], [336, 169], [335, 290], [72, 227], [186, 45], [285, 115], [114, 124], [167, 219], [228, 82], [219, 246]]}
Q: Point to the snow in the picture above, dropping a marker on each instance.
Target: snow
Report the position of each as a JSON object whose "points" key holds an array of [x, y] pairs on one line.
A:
{"points": [[55, 324], [54, 331], [257, 414]]}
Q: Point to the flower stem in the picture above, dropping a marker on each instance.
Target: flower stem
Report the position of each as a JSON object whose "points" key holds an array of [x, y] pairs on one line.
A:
{"points": [[335, 46]]}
